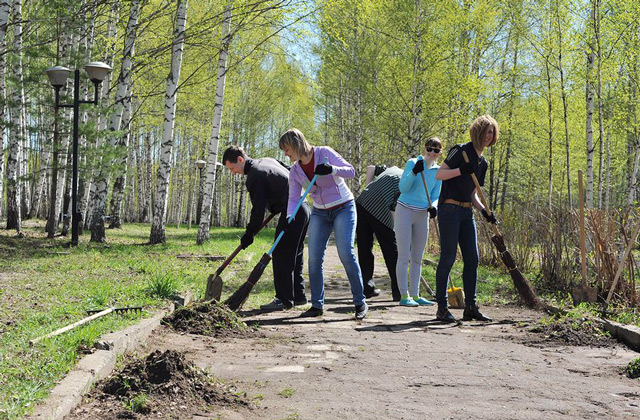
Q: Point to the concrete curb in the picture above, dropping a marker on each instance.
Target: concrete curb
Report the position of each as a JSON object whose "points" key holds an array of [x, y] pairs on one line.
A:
{"points": [[628, 334], [93, 367]]}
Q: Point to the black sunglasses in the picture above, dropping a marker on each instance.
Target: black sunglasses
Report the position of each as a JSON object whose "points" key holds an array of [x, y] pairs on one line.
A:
{"points": [[431, 149]]}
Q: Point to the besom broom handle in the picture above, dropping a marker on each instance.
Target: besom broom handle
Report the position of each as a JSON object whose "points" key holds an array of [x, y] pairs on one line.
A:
{"points": [[483, 200], [426, 191]]}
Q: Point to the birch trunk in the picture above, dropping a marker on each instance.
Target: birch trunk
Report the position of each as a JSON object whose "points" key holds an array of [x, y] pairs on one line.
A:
{"points": [[66, 203], [5, 8], [124, 80], [41, 176], [118, 185], [589, 120], [205, 216], [14, 216], [600, 111], [166, 149], [146, 210], [86, 202]]}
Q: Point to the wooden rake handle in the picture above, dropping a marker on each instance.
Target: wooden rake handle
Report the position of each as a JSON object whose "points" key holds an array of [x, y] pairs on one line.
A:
{"points": [[483, 200], [239, 248], [426, 191]]}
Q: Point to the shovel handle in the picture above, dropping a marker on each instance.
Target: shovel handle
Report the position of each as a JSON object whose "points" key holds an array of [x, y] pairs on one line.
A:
{"points": [[483, 200], [239, 248]]}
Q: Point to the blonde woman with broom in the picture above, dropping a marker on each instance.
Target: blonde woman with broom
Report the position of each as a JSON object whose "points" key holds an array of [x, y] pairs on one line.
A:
{"points": [[455, 216], [412, 220]]}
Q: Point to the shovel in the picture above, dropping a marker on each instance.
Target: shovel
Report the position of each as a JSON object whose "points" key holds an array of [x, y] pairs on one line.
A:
{"points": [[214, 283], [455, 294], [521, 283]]}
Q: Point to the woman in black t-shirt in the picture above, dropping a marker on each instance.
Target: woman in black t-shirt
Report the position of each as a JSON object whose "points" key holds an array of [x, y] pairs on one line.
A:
{"points": [[455, 215]]}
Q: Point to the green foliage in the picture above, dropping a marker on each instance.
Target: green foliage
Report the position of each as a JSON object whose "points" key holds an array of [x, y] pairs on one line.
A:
{"points": [[162, 285], [138, 404], [633, 368]]}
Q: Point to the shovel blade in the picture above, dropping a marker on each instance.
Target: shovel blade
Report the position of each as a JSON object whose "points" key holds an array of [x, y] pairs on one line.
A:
{"points": [[214, 288]]}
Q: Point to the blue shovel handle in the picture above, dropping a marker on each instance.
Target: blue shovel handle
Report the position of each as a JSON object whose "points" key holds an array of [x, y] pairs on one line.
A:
{"points": [[293, 215]]}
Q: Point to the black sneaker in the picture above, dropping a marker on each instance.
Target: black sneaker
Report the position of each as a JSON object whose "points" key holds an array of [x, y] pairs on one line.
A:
{"points": [[300, 302], [444, 315], [275, 305], [312, 313], [473, 312], [361, 311], [372, 293]]}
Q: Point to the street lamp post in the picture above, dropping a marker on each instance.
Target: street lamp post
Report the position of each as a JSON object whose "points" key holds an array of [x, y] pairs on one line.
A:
{"points": [[58, 75]]}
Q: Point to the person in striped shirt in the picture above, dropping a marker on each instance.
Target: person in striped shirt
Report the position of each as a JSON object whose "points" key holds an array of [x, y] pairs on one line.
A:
{"points": [[374, 208], [412, 220]]}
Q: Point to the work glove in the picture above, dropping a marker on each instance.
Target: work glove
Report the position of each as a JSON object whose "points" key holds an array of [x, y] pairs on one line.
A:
{"points": [[466, 168], [433, 212], [489, 218], [246, 240], [323, 169], [418, 167]]}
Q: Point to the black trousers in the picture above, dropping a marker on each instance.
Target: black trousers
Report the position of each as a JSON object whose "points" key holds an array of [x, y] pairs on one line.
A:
{"points": [[367, 227], [288, 257]]}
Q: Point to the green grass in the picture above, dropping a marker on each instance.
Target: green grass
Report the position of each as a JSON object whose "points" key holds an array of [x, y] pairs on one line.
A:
{"points": [[45, 285]]}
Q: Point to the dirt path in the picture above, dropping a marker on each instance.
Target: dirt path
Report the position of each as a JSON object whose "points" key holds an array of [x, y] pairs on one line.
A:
{"points": [[401, 364]]}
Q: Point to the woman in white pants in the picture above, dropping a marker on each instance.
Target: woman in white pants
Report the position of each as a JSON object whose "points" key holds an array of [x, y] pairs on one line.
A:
{"points": [[412, 220]]}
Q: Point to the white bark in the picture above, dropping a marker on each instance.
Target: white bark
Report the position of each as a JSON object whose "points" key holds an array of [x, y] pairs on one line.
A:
{"points": [[589, 120], [5, 8], [87, 199], [14, 217], [124, 80], [207, 201], [166, 148]]}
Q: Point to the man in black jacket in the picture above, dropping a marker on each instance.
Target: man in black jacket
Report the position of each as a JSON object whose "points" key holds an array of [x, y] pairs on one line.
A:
{"points": [[268, 186]]}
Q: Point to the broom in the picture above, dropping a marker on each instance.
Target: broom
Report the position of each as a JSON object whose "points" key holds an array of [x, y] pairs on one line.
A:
{"points": [[455, 294], [214, 283], [521, 283], [236, 300]]}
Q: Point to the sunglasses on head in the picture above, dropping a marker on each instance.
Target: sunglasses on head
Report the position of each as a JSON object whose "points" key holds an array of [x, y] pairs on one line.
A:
{"points": [[434, 150]]}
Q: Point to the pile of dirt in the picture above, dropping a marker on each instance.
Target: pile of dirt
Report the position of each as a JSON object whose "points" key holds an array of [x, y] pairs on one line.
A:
{"points": [[212, 319], [572, 332], [162, 385]]}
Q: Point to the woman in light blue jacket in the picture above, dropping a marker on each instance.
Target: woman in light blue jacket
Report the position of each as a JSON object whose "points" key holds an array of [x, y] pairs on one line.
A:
{"points": [[412, 220]]}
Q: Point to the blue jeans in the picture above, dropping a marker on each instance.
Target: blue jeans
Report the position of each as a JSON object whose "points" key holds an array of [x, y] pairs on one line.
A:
{"points": [[457, 226], [343, 222]]}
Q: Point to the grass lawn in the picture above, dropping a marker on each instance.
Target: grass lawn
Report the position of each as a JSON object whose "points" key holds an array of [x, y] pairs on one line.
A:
{"points": [[45, 285]]}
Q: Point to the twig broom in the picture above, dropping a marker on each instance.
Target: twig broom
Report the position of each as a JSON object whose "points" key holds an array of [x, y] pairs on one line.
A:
{"points": [[521, 283]]}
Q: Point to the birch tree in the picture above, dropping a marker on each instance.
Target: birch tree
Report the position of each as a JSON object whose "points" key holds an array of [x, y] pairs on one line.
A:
{"points": [[212, 159], [5, 8], [589, 94], [124, 80], [166, 151], [14, 217]]}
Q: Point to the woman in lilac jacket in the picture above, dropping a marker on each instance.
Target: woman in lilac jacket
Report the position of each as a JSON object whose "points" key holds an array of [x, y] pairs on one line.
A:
{"points": [[333, 210]]}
